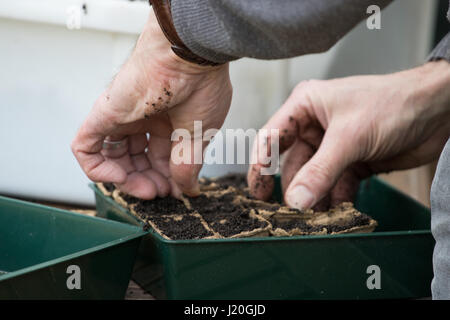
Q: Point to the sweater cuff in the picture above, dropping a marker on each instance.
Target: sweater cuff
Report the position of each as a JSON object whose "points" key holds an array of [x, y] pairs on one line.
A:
{"points": [[197, 24], [442, 50]]}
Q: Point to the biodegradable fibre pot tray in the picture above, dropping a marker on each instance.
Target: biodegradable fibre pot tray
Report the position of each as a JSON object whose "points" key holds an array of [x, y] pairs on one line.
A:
{"points": [[324, 266], [224, 209], [39, 244]]}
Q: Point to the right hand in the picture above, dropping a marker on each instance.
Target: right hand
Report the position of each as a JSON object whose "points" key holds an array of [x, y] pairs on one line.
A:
{"points": [[338, 132], [155, 92]]}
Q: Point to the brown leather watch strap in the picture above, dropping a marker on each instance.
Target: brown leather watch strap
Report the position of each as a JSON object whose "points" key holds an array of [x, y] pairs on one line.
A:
{"points": [[164, 17]]}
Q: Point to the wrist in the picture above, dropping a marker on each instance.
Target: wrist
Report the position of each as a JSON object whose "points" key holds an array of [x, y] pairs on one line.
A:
{"points": [[153, 44], [162, 11], [433, 89]]}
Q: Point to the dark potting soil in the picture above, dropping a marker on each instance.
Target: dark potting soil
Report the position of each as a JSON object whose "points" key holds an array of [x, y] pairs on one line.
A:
{"points": [[214, 205], [227, 214], [129, 199], [262, 206], [237, 180], [228, 225], [293, 224], [109, 186], [160, 206], [223, 216], [356, 221], [189, 227]]}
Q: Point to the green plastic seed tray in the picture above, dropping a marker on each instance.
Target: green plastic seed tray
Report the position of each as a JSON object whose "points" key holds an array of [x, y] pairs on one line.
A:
{"points": [[395, 261], [47, 253]]}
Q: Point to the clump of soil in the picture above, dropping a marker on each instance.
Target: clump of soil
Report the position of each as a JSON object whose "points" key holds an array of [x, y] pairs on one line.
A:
{"points": [[224, 209]]}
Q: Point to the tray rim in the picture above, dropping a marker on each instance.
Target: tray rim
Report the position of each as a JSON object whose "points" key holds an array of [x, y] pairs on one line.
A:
{"points": [[135, 232], [276, 239]]}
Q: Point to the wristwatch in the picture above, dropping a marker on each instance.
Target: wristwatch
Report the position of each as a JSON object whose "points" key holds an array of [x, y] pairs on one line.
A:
{"points": [[164, 17]]}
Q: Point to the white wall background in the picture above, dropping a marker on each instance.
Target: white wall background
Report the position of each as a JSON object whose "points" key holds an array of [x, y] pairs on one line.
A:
{"points": [[50, 77]]}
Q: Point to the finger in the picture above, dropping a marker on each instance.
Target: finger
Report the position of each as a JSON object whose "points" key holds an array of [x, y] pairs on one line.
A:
{"points": [[296, 157], [87, 147], [345, 188], [175, 190], [185, 164], [312, 133], [158, 152], [137, 143], [261, 186], [139, 186], [264, 163], [323, 204], [284, 124], [186, 178], [303, 149], [159, 149], [316, 178], [161, 182], [142, 165], [160, 161], [135, 163], [115, 147], [207, 105], [136, 184]]}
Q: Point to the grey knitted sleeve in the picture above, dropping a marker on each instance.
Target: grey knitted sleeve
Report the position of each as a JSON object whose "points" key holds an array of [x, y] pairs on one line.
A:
{"points": [[442, 51], [440, 203], [225, 30]]}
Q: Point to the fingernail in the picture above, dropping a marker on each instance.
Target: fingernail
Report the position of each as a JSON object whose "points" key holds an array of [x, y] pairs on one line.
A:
{"points": [[300, 197]]}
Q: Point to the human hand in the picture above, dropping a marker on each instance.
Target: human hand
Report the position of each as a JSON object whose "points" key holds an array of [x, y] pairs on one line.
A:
{"points": [[155, 92], [337, 132]]}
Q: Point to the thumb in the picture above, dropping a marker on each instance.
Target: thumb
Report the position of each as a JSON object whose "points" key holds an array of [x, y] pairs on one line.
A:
{"points": [[316, 178], [185, 164]]}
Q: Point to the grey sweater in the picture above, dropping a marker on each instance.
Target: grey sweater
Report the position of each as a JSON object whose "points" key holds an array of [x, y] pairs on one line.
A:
{"points": [[225, 30], [440, 203]]}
